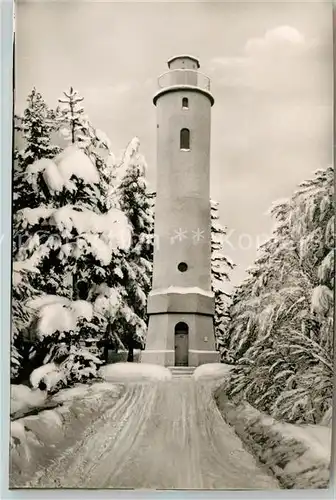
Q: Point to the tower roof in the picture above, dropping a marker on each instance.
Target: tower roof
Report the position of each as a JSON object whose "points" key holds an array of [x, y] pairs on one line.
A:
{"points": [[183, 56], [183, 75]]}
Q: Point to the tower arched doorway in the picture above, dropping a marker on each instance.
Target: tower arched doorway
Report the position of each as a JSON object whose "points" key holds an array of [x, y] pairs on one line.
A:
{"points": [[181, 344]]}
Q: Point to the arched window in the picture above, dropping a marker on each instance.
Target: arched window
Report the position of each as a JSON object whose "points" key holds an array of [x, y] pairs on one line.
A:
{"points": [[185, 139], [185, 103]]}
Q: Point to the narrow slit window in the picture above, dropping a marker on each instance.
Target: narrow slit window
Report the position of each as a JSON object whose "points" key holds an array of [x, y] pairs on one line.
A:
{"points": [[185, 103], [185, 139]]}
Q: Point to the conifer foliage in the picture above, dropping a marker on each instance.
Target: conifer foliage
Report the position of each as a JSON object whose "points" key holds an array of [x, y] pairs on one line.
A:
{"points": [[281, 329], [220, 268], [71, 117], [136, 204], [35, 127], [80, 257]]}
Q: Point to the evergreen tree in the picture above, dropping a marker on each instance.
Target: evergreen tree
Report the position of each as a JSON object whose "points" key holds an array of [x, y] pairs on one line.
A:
{"points": [[77, 241], [220, 267], [281, 330], [35, 128], [67, 233], [70, 244], [127, 326], [21, 319], [76, 129], [71, 117], [136, 204]]}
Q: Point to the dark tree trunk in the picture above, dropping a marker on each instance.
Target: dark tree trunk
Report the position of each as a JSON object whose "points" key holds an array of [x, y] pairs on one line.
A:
{"points": [[106, 344], [106, 351], [130, 357]]}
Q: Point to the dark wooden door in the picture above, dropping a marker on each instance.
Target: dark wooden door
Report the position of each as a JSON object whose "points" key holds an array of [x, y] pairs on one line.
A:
{"points": [[181, 344]]}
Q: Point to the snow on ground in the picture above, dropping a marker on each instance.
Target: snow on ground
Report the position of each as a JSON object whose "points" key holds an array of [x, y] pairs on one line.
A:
{"points": [[318, 450], [298, 455], [182, 290], [211, 371], [36, 440], [22, 397], [80, 391], [71, 393], [134, 372], [327, 418]]}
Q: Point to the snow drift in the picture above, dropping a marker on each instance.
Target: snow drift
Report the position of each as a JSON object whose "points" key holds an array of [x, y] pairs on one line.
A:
{"points": [[36, 440], [134, 372], [297, 455], [22, 398], [211, 371]]}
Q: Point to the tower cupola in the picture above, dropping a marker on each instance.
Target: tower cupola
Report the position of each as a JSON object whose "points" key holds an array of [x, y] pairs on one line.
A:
{"points": [[183, 74]]}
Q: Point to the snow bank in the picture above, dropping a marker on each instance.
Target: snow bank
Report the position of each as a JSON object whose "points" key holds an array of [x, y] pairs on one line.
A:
{"points": [[297, 455], [182, 290], [22, 397], [211, 371], [134, 372], [71, 393], [81, 391], [327, 418], [37, 440]]}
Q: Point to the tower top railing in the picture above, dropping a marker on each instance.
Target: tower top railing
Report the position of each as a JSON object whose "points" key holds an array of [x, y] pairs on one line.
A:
{"points": [[184, 77]]}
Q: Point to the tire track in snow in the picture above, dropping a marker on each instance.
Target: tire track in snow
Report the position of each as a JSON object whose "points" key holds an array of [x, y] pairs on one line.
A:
{"points": [[108, 469], [167, 455], [68, 468], [225, 461], [163, 435]]}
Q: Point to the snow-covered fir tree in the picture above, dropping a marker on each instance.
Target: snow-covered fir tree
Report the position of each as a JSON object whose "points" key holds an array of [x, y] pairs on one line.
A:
{"points": [[281, 329], [220, 268], [65, 237], [89, 284], [35, 127], [136, 270], [122, 185], [66, 244], [71, 117], [76, 129], [21, 319]]}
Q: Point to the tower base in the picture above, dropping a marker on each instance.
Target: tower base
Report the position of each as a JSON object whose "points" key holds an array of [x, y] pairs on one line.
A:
{"points": [[180, 328], [197, 358], [167, 357], [157, 357]]}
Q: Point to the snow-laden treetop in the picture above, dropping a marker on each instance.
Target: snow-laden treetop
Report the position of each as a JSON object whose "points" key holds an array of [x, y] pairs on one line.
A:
{"points": [[58, 171]]}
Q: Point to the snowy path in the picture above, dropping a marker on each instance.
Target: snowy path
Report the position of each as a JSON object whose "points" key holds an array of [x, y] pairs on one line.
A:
{"points": [[167, 435]]}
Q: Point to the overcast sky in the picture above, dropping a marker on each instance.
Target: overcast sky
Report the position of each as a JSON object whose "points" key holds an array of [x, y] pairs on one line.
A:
{"points": [[271, 73]]}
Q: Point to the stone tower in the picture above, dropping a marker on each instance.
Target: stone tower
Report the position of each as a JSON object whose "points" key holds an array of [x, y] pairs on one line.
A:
{"points": [[181, 304]]}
